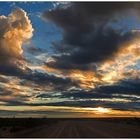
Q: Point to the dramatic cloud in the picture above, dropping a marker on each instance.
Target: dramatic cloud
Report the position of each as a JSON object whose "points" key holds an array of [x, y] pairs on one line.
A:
{"points": [[52, 81], [93, 60], [87, 37], [94, 37], [129, 86], [15, 30], [114, 96]]}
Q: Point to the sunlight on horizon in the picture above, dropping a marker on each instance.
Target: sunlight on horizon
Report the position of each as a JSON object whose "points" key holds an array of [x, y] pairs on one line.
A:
{"points": [[98, 109]]}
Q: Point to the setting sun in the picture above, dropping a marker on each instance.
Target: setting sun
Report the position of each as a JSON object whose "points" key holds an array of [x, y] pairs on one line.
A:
{"points": [[98, 109], [102, 110], [69, 69]]}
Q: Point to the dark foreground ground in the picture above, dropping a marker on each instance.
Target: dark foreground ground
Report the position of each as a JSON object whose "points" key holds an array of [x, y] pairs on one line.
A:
{"points": [[70, 128]]}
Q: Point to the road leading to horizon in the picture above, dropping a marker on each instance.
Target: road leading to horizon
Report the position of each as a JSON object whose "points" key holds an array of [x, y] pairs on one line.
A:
{"points": [[83, 129]]}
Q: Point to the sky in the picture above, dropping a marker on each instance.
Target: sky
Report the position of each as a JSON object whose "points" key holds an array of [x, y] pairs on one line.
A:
{"points": [[69, 59]]}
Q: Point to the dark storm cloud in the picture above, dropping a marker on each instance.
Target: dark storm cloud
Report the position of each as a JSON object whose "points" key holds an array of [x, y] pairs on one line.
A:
{"points": [[43, 79], [65, 62], [80, 98], [49, 80], [104, 92], [75, 95], [11, 70], [87, 36], [39, 78], [93, 98], [123, 95], [129, 86]]}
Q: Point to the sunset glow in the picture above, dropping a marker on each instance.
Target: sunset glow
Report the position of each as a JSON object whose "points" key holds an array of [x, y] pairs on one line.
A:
{"points": [[69, 59], [102, 110]]}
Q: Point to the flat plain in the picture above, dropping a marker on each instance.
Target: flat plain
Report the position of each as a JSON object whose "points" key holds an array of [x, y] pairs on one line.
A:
{"points": [[70, 128]]}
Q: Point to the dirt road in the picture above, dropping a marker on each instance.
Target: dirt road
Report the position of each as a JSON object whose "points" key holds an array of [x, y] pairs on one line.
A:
{"points": [[83, 129]]}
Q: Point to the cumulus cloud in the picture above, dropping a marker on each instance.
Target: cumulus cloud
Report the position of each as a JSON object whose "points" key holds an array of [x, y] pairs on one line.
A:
{"points": [[15, 30]]}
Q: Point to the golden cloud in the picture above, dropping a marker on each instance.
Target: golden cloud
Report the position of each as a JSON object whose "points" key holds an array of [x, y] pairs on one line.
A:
{"points": [[115, 70], [15, 30]]}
